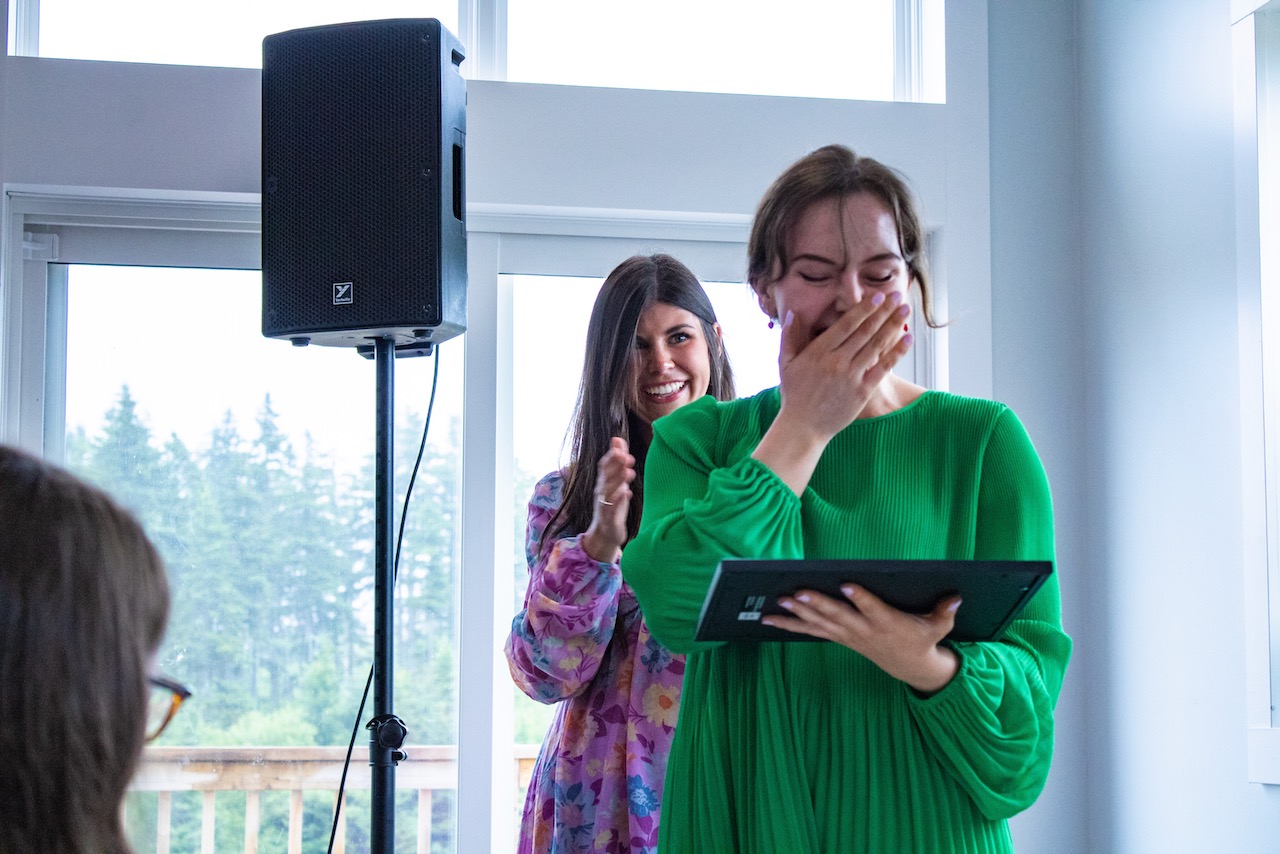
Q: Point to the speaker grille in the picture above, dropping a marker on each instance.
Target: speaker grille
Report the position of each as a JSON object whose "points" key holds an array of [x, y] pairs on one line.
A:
{"points": [[354, 155]]}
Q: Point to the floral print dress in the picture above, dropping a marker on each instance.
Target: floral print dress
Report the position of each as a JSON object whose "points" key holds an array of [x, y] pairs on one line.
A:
{"points": [[581, 642]]}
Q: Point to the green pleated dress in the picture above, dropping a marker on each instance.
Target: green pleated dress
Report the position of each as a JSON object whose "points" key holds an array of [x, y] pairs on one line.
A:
{"points": [[809, 747]]}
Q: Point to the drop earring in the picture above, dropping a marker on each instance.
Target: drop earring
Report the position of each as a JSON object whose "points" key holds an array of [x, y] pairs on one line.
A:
{"points": [[771, 323]]}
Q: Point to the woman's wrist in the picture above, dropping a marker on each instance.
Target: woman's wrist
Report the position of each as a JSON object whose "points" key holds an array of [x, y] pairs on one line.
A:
{"points": [[943, 666], [791, 451], [599, 549]]}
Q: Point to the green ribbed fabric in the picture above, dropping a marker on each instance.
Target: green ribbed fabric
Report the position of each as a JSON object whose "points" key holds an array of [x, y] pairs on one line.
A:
{"points": [[809, 747]]}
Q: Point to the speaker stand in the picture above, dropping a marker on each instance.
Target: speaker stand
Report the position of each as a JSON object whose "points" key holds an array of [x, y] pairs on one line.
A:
{"points": [[386, 731]]}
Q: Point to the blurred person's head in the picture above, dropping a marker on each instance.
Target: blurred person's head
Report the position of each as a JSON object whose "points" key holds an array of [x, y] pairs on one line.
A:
{"points": [[83, 606]]}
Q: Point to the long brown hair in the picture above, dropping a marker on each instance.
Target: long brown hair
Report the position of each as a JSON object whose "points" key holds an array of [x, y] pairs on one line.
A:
{"points": [[601, 411], [83, 606], [833, 172]]}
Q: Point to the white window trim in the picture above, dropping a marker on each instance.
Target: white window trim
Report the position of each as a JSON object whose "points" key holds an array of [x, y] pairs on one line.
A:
{"points": [[216, 230], [1257, 159]]}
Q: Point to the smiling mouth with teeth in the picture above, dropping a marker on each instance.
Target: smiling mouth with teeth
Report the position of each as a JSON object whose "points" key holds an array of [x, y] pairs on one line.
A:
{"points": [[665, 388]]}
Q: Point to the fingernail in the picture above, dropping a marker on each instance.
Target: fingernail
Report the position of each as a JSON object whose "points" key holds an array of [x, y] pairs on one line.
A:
{"points": [[877, 298], [847, 589], [787, 603], [895, 297], [803, 597], [907, 339], [954, 606], [903, 310]]}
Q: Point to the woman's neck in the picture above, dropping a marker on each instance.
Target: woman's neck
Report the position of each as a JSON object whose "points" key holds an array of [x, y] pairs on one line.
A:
{"points": [[893, 394]]}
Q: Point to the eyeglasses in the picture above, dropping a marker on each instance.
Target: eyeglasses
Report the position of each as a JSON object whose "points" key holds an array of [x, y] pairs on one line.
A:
{"points": [[165, 700]]}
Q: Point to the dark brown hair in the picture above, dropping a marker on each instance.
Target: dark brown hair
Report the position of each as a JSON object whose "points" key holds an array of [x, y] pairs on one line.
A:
{"points": [[83, 607], [833, 172], [601, 411]]}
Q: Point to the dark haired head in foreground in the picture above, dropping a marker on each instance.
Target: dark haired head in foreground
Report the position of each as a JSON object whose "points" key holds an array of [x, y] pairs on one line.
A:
{"points": [[83, 607]]}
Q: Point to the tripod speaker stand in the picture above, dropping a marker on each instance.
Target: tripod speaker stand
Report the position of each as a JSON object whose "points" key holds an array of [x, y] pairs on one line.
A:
{"points": [[364, 246]]}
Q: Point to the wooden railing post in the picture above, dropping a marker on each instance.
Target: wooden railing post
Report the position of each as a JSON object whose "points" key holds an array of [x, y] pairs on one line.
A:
{"points": [[295, 821], [252, 818], [207, 817], [164, 808], [424, 821], [340, 834]]}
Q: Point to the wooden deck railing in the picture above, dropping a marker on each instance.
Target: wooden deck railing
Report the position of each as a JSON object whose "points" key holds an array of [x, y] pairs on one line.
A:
{"points": [[253, 770]]}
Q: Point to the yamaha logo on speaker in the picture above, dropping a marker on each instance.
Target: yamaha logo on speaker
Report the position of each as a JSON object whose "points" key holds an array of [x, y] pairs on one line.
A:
{"points": [[342, 293]]}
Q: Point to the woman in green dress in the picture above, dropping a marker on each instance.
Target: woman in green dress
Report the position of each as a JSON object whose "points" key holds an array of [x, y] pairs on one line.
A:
{"points": [[888, 738]]}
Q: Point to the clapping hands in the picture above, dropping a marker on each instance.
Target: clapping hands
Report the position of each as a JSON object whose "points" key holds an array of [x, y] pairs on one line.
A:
{"points": [[604, 539]]}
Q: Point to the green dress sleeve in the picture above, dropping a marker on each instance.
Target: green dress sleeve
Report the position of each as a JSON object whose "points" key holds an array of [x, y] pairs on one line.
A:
{"points": [[991, 727], [705, 499]]}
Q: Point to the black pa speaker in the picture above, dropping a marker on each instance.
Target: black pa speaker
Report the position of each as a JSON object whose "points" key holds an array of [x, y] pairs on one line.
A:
{"points": [[363, 215]]}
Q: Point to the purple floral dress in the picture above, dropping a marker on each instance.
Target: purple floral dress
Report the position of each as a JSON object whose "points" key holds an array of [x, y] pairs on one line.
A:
{"points": [[581, 642]]}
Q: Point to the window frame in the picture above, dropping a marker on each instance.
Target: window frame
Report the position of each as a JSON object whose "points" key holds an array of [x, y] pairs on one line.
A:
{"points": [[66, 226], [956, 133], [482, 27], [49, 226], [1257, 165]]}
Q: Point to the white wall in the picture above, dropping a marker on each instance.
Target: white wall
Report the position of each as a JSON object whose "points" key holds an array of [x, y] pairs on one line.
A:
{"points": [[1037, 308], [1115, 324]]}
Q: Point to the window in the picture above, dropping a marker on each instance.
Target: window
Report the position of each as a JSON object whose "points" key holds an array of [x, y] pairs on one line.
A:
{"points": [[757, 47], [883, 50], [812, 48], [63, 316], [250, 464], [1257, 48], [228, 33], [83, 320], [262, 510]]}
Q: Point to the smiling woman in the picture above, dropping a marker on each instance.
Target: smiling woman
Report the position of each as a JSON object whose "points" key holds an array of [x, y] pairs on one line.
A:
{"points": [[889, 738], [653, 345], [672, 365]]}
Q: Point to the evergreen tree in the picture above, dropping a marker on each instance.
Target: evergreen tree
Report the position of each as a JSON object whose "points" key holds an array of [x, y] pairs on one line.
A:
{"points": [[123, 460], [270, 557], [426, 586]]}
